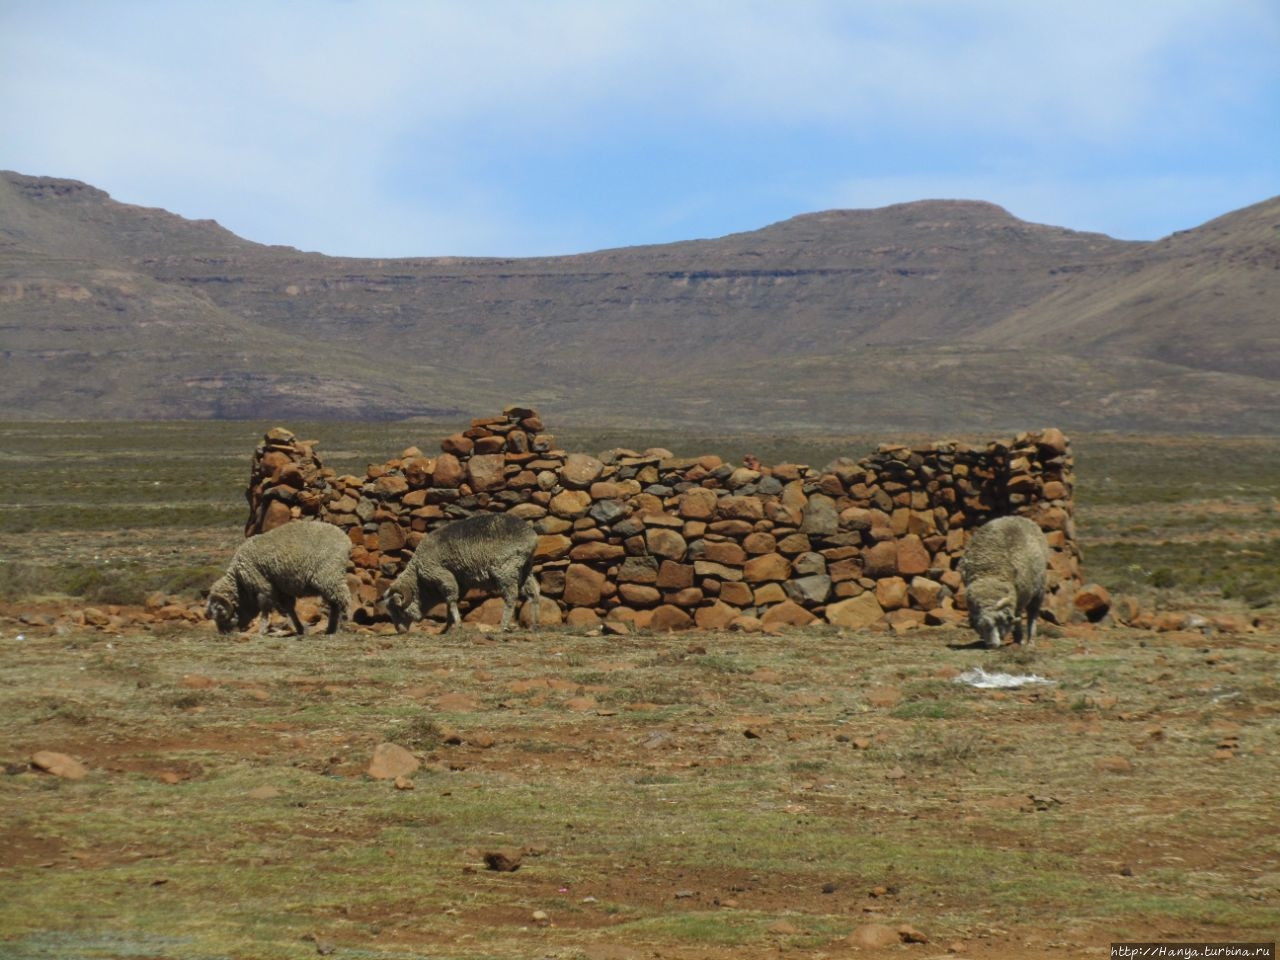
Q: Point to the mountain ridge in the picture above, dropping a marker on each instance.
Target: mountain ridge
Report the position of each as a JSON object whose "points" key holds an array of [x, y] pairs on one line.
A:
{"points": [[152, 315]]}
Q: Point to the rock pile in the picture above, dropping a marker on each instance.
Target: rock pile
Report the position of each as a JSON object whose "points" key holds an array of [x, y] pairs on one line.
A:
{"points": [[653, 540]]}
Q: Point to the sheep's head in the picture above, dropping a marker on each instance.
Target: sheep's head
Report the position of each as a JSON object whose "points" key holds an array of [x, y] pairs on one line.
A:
{"points": [[992, 611], [221, 609], [402, 606]]}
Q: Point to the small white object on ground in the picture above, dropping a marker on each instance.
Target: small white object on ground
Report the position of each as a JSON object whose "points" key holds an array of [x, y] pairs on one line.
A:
{"points": [[977, 677]]}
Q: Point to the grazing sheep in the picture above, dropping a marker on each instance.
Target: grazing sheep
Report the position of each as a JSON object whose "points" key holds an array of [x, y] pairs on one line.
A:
{"points": [[1004, 576], [489, 550], [271, 570]]}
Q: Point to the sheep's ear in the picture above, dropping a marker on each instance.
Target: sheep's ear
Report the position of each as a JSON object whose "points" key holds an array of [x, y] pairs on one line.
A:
{"points": [[1004, 603]]}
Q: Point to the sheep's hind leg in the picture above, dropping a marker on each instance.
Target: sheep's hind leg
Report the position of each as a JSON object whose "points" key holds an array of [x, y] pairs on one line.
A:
{"points": [[337, 616], [339, 604], [532, 594], [1033, 615]]}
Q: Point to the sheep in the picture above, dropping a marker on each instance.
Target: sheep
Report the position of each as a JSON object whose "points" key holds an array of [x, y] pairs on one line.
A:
{"points": [[493, 551], [271, 570], [1004, 576]]}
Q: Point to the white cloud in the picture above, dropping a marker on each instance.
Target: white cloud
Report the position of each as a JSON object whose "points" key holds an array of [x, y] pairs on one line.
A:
{"points": [[438, 126]]}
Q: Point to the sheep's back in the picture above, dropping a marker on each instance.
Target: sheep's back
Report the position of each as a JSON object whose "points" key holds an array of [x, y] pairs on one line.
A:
{"points": [[475, 548], [295, 555], [1011, 549]]}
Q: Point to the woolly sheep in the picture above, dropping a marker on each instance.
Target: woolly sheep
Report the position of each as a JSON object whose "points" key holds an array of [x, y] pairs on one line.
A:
{"points": [[493, 551], [271, 570], [1004, 576]]}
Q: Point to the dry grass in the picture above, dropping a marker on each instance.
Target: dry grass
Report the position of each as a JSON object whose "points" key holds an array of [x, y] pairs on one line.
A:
{"points": [[227, 812], [694, 796]]}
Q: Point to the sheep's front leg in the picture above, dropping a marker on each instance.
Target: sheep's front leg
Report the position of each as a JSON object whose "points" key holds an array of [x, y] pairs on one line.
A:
{"points": [[510, 594], [290, 608], [264, 611], [449, 587]]}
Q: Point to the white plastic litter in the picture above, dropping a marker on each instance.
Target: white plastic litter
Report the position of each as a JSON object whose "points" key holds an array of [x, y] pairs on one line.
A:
{"points": [[977, 677]]}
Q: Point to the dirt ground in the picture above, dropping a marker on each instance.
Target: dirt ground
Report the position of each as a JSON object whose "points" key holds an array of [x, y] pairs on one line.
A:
{"points": [[696, 796]]}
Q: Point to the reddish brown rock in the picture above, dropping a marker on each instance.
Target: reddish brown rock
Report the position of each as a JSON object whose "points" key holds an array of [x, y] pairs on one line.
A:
{"points": [[417, 471], [639, 595], [674, 576], [668, 617], [1054, 490], [1094, 601], [855, 613], [740, 508], [597, 552], [583, 586], [59, 764], [716, 616], [487, 471], [1053, 441], [794, 544], [768, 566], [449, 472], [787, 613], [552, 546], [665, 543], [881, 560], [698, 504], [736, 593], [769, 593], [925, 593], [841, 570], [391, 536], [855, 518], [390, 486], [570, 504], [911, 557], [390, 761], [580, 471], [873, 936], [582, 617], [488, 612], [725, 551], [757, 543], [277, 514], [716, 571], [457, 445], [688, 598]]}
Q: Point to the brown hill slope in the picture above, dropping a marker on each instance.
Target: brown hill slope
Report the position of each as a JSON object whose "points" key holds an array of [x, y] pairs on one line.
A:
{"points": [[938, 315], [1207, 299]]}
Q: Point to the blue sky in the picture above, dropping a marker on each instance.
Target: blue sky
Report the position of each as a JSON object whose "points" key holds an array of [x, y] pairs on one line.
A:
{"points": [[431, 127]]}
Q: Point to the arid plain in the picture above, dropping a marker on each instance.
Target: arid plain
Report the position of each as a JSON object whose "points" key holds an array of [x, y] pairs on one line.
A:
{"points": [[813, 792]]}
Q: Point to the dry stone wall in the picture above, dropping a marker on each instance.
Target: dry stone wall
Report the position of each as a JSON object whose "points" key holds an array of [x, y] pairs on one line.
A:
{"points": [[653, 540]]}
